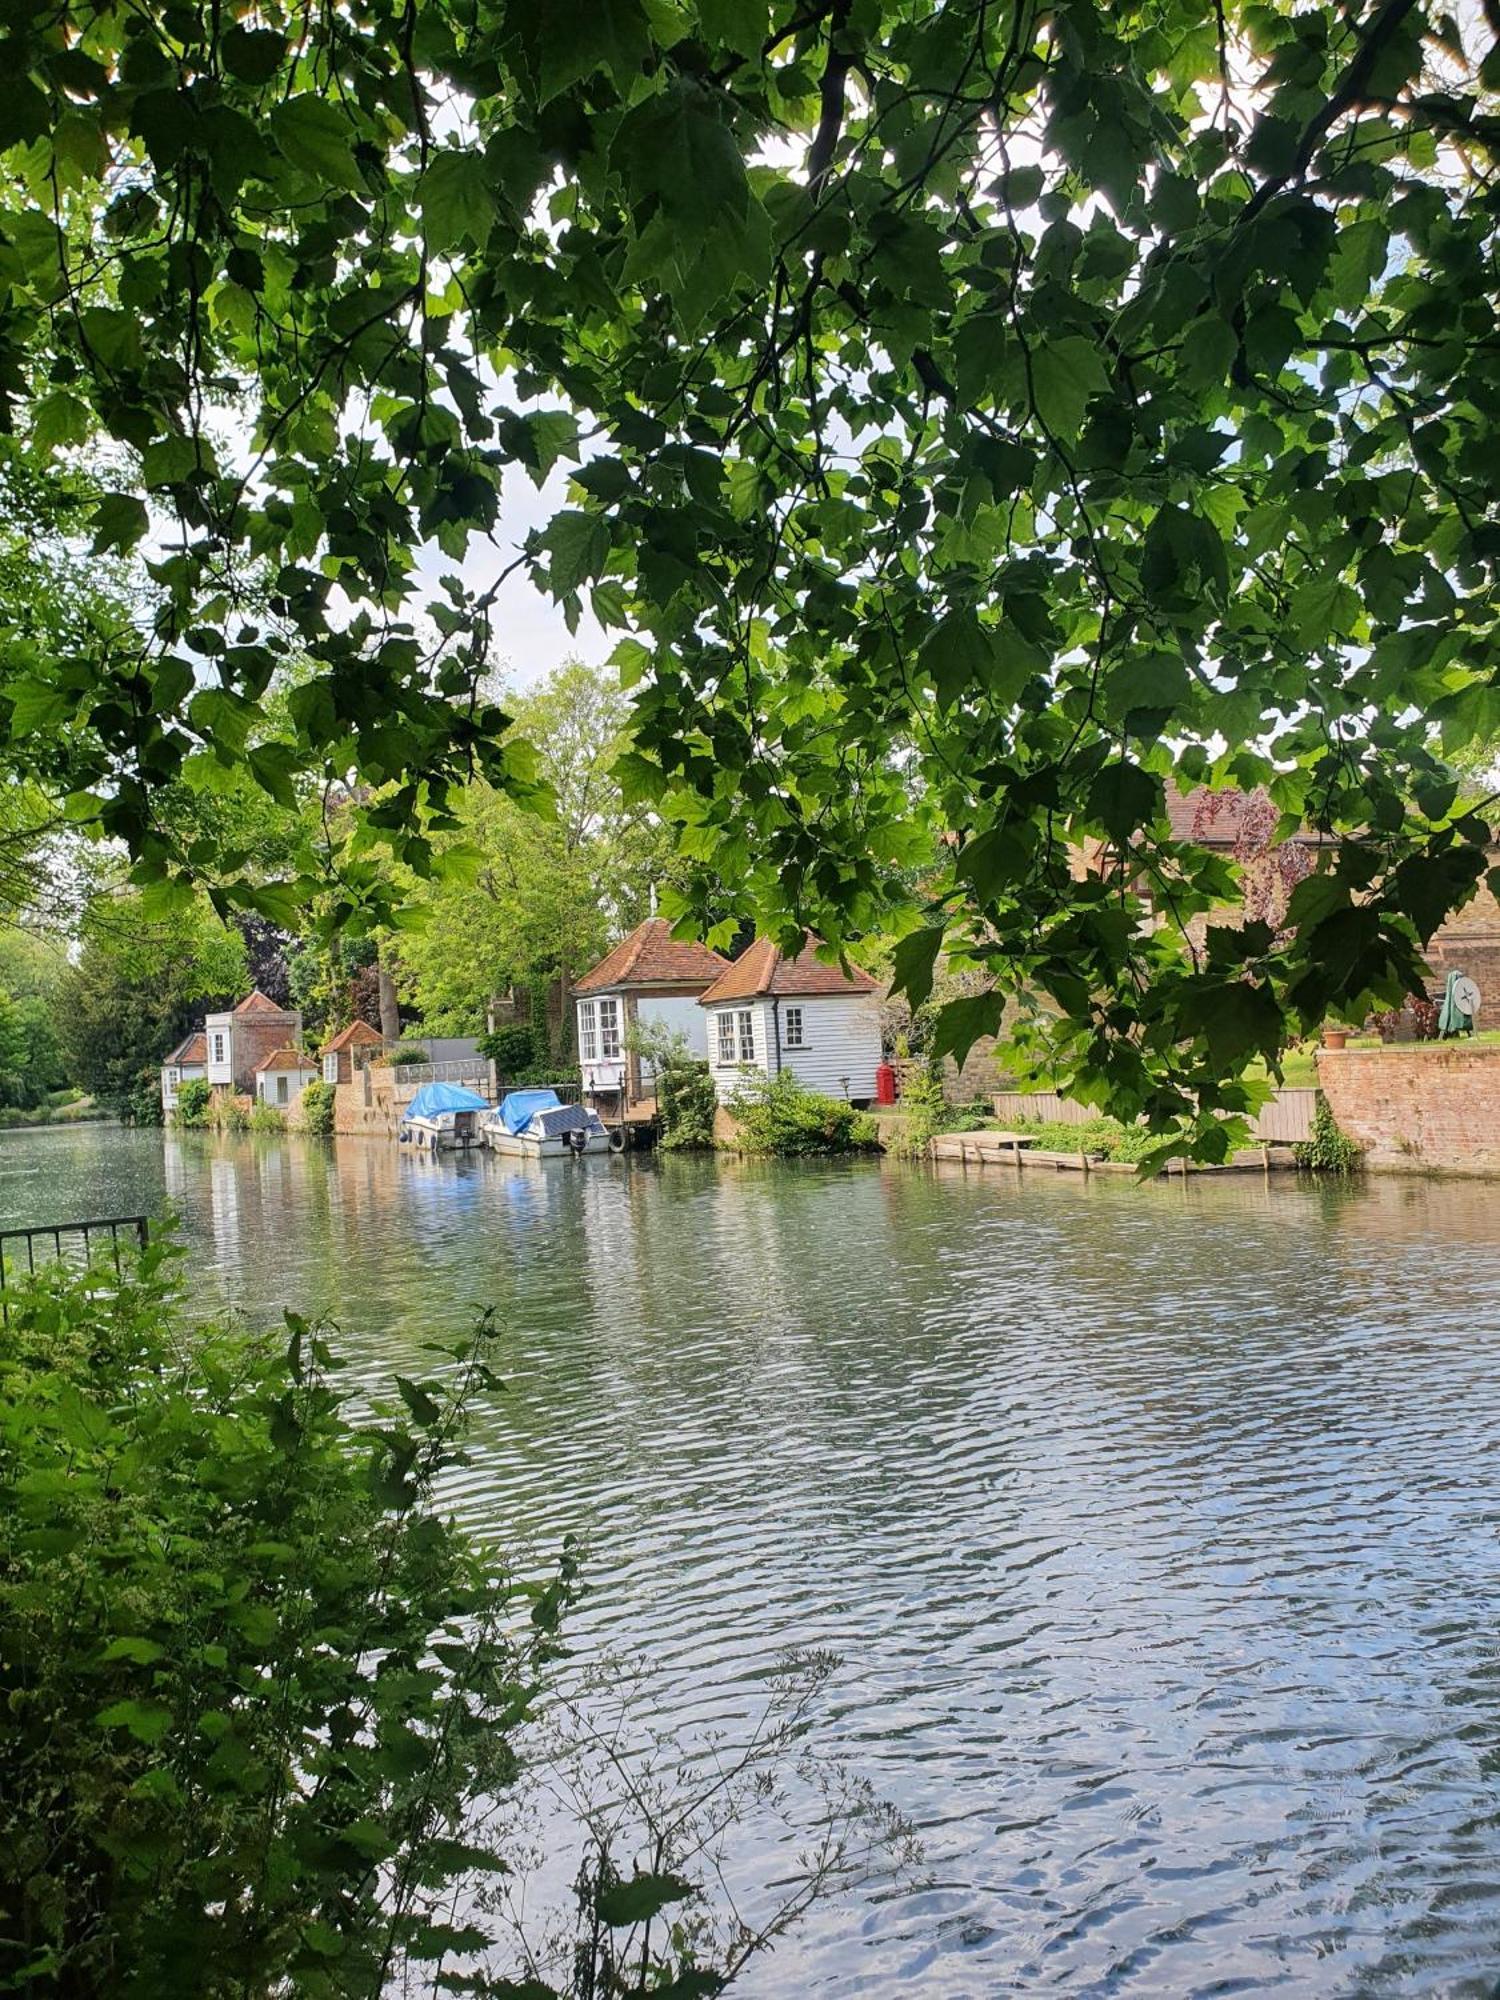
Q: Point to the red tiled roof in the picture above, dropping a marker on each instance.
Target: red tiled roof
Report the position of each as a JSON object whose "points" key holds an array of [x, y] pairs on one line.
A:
{"points": [[257, 1003], [764, 969], [286, 1059], [651, 956], [356, 1033], [192, 1049]]}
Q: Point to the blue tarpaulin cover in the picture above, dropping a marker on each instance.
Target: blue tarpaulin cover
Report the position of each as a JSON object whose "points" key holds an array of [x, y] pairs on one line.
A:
{"points": [[518, 1110], [435, 1097]]}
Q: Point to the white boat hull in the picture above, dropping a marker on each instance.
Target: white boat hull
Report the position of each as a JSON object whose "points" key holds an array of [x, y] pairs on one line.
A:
{"points": [[428, 1136], [500, 1141]]}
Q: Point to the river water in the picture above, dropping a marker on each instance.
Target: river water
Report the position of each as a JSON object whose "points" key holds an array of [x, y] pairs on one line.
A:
{"points": [[1154, 1530]]}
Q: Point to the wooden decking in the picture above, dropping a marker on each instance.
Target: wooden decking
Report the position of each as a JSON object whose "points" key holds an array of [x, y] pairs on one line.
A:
{"points": [[1016, 1150]]}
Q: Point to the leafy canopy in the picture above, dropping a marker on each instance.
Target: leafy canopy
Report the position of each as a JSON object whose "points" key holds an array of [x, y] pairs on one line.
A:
{"points": [[978, 414]]}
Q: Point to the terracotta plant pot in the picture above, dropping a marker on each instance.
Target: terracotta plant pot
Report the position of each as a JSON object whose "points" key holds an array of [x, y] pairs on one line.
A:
{"points": [[1335, 1038]]}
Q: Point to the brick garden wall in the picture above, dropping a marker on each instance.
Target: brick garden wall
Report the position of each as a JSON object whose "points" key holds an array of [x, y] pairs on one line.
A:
{"points": [[1423, 1105]]}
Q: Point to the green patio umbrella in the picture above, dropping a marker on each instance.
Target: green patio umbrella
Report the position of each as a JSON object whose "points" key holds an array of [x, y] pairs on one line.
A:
{"points": [[1460, 1005]]}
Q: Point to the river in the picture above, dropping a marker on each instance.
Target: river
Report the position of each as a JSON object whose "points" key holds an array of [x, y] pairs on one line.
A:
{"points": [[1153, 1530]]}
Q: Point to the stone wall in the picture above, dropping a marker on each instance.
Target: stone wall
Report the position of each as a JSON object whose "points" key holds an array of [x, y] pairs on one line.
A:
{"points": [[368, 1104], [1425, 1105]]}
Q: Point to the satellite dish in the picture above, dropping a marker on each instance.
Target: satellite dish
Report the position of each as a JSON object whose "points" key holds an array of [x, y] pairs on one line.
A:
{"points": [[1466, 995]]}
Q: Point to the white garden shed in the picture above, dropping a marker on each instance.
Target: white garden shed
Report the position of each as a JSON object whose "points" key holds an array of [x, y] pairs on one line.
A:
{"points": [[771, 1013]]}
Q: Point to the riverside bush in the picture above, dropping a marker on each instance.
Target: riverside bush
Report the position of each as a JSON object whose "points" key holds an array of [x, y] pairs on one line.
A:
{"points": [[193, 1101], [780, 1115], [256, 1686], [317, 1109], [926, 1113], [266, 1117], [685, 1096]]}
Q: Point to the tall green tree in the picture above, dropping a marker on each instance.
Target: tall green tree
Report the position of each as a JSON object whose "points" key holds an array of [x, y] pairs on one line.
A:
{"points": [[523, 896], [138, 984], [996, 412]]}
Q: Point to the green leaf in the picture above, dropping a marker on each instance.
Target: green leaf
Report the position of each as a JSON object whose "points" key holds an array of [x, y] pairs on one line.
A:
{"points": [[60, 418], [623, 1903], [252, 54], [456, 200], [579, 547], [914, 963], [425, 1412], [169, 461], [142, 1651], [958, 653], [741, 25], [1124, 798], [676, 147], [961, 1023], [1065, 373], [147, 1721], [315, 137], [120, 520]]}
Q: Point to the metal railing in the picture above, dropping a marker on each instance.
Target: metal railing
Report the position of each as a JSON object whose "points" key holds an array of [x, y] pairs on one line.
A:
{"points": [[64, 1236], [410, 1077]]}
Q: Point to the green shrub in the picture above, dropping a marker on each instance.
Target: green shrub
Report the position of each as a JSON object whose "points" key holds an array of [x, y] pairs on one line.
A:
{"points": [[512, 1050], [259, 1691], [685, 1096], [266, 1117], [781, 1115], [194, 1099], [317, 1109], [407, 1055], [864, 1133], [1327, 1149], [925, 1113], [234, 1115]]}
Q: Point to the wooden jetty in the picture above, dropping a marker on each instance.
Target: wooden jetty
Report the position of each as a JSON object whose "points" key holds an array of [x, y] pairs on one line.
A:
{"points": [[1017, 1149]]}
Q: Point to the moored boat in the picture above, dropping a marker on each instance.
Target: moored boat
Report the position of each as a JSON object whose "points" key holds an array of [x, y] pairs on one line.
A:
{"points": [[443, 1118], [538, 1123]]}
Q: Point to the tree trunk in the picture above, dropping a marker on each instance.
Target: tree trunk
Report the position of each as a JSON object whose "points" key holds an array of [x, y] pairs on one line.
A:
{"points": [[390, 1011]]}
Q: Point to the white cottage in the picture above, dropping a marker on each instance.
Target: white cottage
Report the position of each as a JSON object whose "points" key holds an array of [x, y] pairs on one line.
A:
{"points": [[187, 1063], [770, 1013], [650, 979], [282, 1076]]}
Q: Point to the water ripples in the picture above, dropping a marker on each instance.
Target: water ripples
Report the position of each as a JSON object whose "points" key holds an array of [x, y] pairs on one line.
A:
{"points": [[1155, 1531]]}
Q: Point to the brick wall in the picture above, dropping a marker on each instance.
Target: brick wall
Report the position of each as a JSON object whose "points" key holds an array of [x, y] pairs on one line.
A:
{"points": [[1430, 1105], [255, 1037]]}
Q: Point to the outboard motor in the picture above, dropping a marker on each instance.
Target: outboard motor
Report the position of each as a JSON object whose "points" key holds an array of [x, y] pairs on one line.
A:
{"points": [[577, 1140]]}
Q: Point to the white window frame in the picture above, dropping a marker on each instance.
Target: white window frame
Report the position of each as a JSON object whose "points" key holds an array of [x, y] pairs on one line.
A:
{"points": [[609, 1030], [725, 1023], [588, 1031], [792, 1036], [219, 1039], [283, 1087], [745, 1018]]}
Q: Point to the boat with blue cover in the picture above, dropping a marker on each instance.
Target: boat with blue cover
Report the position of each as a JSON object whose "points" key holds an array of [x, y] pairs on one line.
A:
{"points": [[443, 1118], [538, 1123]]}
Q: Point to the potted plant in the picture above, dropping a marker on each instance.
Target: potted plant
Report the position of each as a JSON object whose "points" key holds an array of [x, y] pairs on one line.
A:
{"points": [[1335, 1035]]}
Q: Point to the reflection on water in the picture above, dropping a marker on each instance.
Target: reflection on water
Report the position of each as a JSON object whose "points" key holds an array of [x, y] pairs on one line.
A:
{"points": [[1156, 1530]]}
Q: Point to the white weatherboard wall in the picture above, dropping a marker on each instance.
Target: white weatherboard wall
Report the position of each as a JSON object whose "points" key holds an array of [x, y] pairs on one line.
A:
{"points": [[268, 1086], [841, 1038], [727, 1076]]}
